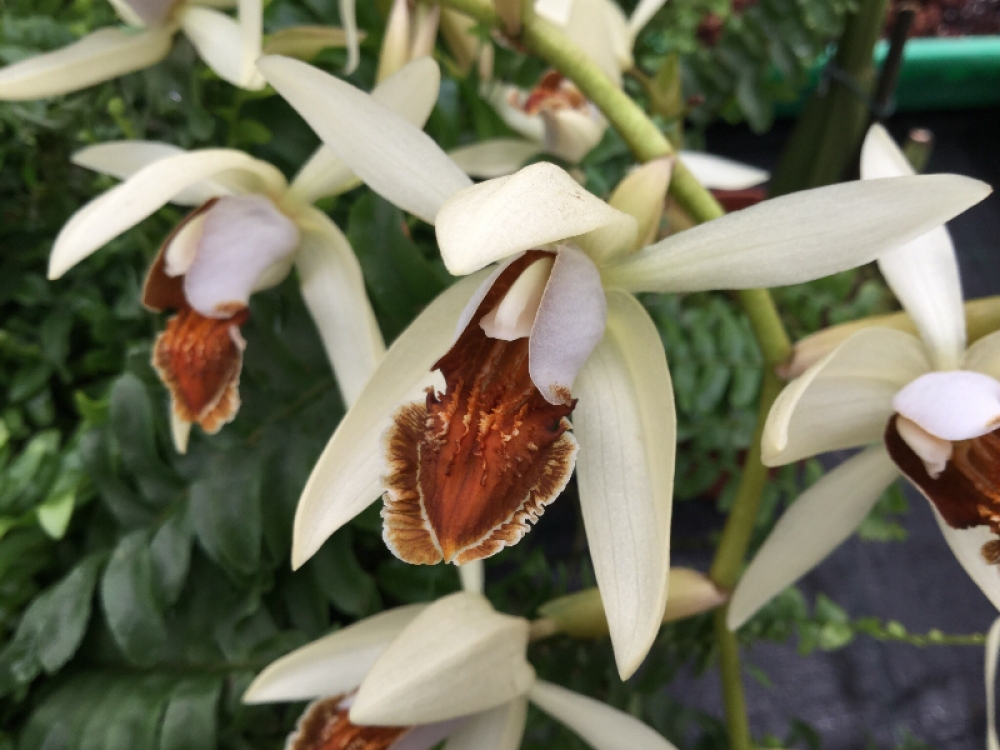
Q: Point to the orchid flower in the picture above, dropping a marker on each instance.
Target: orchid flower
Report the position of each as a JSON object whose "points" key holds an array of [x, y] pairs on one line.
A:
{"points": [[510, 341], [229, 47], [411, 677], [927, 406], [250, 226]]}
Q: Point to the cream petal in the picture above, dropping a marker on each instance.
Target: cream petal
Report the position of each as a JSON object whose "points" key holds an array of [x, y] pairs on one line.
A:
{"points": [[598, 724], [346, 478], [180, 432], [966, 544], [955, 405], [642, 14], [984, 356], [539, 205], [397, 160], [410, 93], [479, 295], [149, 189], [990, 669], [334, 291], [799, 237], [845, 399], [816, 523], [458, 657], [97, 57], [514, 316], [425, 28], [241, 238], [472, 575], [495, 158], [626, 426], [127, 13], [304, 42], [571, 134], [219, 42], [554, 11], [395, 50], [642, 195], [720, 173], [690, 593], [336, 663], [600, 30], [569, 324], [923, 273], [251, 18], [348, 19], [427, 736], [499, 728]]}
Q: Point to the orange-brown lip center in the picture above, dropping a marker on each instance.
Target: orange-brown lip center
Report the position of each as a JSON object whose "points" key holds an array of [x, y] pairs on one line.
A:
{"points": [[326, 726], [553, 91]]}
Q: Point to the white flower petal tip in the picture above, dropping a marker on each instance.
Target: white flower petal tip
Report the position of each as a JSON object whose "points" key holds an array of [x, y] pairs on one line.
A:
{"points": [[457, 657], [690, 592], [180, 432], [845, 399], [956, 405], [346, 478], [395, 158], [799, 237], [539, 205], [571, 134], [336, 663], [720, 173], [817, 522], [496, 158], [569, 323], [642, 195], [598, 724], [241, 238], [990, 670], [881, 157], [500, 728], [626, 426], [98, 57]]}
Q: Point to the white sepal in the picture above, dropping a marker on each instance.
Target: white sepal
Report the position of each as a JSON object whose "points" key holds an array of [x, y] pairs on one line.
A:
{"points": [[626, 426], [984, 356], [817, 522], [495, 158], [499, 728], [720, 173], [642, 194]]}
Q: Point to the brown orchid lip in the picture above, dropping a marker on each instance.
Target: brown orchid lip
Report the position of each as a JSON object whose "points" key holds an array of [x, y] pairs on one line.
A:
{"points": [[470, 469], [326, 725], [967, 492], [553, 91]]}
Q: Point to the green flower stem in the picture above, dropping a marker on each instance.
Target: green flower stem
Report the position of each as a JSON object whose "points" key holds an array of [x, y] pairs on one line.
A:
{"points": [[647, 142]]}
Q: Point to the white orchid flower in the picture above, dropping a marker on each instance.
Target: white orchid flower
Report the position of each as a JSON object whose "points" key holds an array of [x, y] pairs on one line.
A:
{"points": [[510, 342], [250, 226], [926, 406], [228, 46], [414, 676]]}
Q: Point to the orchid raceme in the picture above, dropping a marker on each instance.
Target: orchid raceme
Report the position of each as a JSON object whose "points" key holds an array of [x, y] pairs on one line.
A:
{"points": [[927, 406], [250, 226], [558, 305], [411, 677], [229, 47]]}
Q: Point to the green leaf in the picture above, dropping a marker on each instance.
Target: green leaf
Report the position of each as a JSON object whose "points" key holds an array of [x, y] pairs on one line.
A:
{"points": [[341, 577], [190, 719], [54, 514], [129, 601], [170, 553], [225, 509]]}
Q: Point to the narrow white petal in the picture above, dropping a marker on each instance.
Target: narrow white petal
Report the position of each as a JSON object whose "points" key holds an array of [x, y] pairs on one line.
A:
{"points": [[143, 12], [626, 426], [720, 173], [127, 13], [346, 478], [799, 237], [495, 158], [334, 291], [984, 356], [600, 30], [98, 57], [845, 399], [149, 189], [242, 237], [539, 205], [570, 134], [219, 42], [554, 11], [472, 575], [992, 651], [923, 274], [817, 522], [643, 12], [459, 656], [967, 546], [499, 728], [569, 324], [395, 51], [336, 663], [304, 42], [348, 19], [956, 405], [410, 93], [180, 432], [251, 18], [396, 159], [598, 724], [642, 194]]}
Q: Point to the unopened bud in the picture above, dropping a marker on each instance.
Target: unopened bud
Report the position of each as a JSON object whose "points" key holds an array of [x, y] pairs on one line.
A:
{"points": [[395, 52]]}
